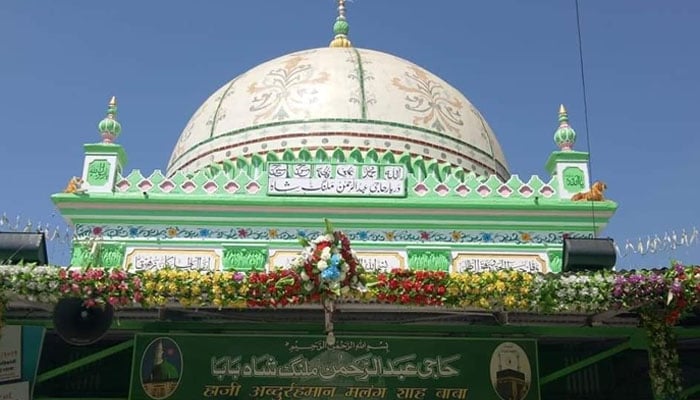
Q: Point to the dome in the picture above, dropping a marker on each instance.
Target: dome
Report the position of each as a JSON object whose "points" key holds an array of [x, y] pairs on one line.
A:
{"points": [[344, 98]]}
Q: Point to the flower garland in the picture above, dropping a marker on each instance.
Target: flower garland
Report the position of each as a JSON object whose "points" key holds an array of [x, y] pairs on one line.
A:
{"points": [[328, 267], [664, 362], [669, 293]]}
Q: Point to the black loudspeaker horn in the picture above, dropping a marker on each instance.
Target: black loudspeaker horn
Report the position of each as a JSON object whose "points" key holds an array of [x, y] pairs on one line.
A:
{"points": [[28, 247], [80, 325], [588, 254]]}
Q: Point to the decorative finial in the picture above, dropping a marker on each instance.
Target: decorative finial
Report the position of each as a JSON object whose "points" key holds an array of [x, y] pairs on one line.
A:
{"points": [[109, 127], [565, 136], [341, 28]]}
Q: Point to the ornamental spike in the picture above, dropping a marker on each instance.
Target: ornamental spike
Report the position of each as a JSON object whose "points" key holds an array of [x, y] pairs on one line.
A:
{"points": [[341, 28]]}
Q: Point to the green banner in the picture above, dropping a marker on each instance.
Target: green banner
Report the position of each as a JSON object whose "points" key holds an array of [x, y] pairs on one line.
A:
{"points": [[191, 367]]}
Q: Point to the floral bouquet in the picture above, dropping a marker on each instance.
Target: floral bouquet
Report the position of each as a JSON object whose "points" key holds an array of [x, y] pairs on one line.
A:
{"points": [[328, 268]]}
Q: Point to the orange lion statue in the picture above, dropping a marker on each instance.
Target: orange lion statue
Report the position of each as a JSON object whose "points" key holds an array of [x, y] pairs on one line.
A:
{"points": [[74, 186], [595, 194]]}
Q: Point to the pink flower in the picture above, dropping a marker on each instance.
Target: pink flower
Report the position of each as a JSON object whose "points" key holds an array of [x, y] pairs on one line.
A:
{"points": [[97, 231]]}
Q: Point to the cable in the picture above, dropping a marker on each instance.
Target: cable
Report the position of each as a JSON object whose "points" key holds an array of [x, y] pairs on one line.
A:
{"points": [[585, 108]]}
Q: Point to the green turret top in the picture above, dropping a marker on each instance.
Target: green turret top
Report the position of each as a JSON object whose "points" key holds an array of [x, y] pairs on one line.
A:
{"points": [[565, 136], [109, 127]]}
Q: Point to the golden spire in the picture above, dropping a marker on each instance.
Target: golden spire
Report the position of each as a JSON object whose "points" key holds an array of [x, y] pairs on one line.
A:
{"points": [[341, 28], [562, 109], [113, 101]]}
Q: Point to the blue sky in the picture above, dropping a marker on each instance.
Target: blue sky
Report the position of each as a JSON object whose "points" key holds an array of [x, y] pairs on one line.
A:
{"points": [[515, 60]]}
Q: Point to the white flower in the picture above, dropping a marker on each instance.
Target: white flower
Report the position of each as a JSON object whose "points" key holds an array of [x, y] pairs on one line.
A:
{"points": [[322, 265], [308, 286], [345, 289], [342, 276], [304, 276], [326, 253]]}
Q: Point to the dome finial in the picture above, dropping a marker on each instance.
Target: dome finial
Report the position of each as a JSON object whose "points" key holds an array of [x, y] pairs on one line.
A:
{"points": [[565, 136], [341, 28], [109, 127]]}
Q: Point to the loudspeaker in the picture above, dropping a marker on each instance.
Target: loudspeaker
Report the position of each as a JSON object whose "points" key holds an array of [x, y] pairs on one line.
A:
{"points": [[588, 254], [28, 247], [79, 325]]}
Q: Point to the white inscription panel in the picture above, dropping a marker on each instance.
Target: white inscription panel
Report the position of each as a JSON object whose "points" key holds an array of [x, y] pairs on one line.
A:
{"points": [[312, 179], [375, 261], [144, 259], [482, 262]]}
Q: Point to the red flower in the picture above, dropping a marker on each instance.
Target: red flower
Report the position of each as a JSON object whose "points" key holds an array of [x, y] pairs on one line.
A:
{"points": [[97, 231]]}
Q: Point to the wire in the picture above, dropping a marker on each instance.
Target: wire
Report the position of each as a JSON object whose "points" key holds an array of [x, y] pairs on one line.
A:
{"points": [[585, 108]]}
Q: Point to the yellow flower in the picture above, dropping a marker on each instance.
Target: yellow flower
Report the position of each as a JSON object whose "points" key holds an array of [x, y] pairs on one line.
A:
{"points": [[509, 301], [484, 303], [456, 236], [272, 233], [389, 236], [238, 303], [500, 286], [172, 231], [525, 237]]}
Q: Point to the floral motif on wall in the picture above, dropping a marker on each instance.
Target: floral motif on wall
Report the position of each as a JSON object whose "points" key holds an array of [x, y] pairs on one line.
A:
{"points": [[358, 235], [286, 92], [435, 107]]}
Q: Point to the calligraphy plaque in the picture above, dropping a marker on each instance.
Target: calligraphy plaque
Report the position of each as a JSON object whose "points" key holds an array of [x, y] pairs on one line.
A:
{"points": [[98, 172], [145, 259], [324, 179], [574, 180], [377, 261], [192, 366], [482, 262]]}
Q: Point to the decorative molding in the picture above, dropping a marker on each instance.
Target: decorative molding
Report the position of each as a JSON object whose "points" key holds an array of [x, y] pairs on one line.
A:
{"points": [[429, 259], [358, 236], [245, 258]]}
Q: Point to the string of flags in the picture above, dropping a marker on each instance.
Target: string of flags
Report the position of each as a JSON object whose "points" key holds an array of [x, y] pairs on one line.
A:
{"points": [[656, 244], [51, 232]]}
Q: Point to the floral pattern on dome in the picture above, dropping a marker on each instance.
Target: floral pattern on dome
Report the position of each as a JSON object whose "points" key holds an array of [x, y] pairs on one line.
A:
{"points": [[286, 92], [361, 75], [220, 112], [437, 109], [183, 143]]}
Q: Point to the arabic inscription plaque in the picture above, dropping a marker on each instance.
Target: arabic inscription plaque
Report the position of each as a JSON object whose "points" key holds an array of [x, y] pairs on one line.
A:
{"points": [[478, 262], [154, 259], [324, 179]]}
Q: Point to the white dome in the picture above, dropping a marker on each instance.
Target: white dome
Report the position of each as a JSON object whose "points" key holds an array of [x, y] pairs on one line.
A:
{"points": [[339, 98]]}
